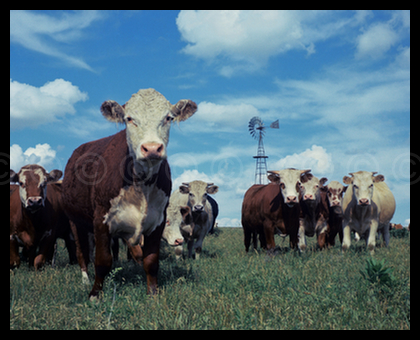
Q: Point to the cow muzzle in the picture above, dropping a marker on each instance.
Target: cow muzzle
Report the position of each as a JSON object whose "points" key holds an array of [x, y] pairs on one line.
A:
{"points": [[364, 202], [152, 150], [34, 203], [198, 208]]}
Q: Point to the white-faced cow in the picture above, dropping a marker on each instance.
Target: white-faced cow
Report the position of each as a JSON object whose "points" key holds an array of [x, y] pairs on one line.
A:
{"points": [[34, 214], [368, 206], [203, 210], [313, 212], [120, 185], [273, 208]]}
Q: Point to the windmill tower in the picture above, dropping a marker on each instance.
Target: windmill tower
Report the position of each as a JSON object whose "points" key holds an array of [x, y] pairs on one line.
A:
{"points": [[256, 129]]}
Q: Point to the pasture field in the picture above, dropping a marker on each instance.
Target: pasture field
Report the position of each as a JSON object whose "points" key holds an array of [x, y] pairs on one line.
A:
{"points": [[225, 289]]}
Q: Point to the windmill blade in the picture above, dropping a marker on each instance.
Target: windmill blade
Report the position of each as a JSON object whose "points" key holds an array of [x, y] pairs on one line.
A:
{"points": [[255, 124]]}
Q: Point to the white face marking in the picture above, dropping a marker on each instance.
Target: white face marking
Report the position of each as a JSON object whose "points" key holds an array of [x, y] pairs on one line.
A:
{"points": [[290, 184], [363, 187]]}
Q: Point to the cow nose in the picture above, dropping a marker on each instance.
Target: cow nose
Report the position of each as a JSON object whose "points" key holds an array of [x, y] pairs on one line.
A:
{"points": [[152, 150], [308, 197], [179, 241], [336, 204], [198, 207], [34, 201], [363, 201], [291, 199]]}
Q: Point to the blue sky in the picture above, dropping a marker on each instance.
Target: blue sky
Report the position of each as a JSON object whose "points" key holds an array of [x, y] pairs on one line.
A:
{"points": [[338, 81]]}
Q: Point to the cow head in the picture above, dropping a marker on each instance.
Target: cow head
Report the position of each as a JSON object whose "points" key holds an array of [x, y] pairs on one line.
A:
{"points": [[148, 117], [197, 192], [290, 181], [33, 181], [335, 191], [310, 188], [362, 185]]}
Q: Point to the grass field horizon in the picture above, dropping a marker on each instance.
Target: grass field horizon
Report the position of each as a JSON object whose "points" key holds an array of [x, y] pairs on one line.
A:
{"points": [[225, 289]]}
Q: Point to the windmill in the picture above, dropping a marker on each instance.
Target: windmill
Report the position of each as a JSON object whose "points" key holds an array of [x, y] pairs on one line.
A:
{"points": [[256, 130]]}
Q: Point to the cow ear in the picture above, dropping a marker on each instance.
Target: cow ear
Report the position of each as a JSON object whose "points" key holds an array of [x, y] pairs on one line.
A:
{"points": [[212, 190], [323, 180], [113, 111], [184, 109], [54, 176], [273, 176], [184, 188], [347, 180], [13, 176], [379, 178]]}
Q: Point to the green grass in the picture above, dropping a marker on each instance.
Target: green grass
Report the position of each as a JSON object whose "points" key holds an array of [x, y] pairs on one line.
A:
{"points": [[225, 289]]}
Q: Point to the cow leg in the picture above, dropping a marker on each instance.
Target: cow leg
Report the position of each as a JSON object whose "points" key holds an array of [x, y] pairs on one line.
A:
{"points": [[14, 253], [190, 247], [386, 234], [103, 258], [346, 237], [247, 239], [269, 236], [301, 235], [81, 239], [372, 236], [151, 257]]}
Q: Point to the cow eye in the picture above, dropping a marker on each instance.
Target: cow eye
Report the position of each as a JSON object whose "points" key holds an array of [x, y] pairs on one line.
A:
{"points": [[131, 120], [22, 185], [169, 118]]}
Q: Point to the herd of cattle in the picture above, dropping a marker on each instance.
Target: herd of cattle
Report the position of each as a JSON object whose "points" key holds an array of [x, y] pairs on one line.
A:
{"points": [[120, 187]]}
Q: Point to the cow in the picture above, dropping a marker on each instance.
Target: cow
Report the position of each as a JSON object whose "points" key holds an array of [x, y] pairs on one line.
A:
{"points": [[202, 215], [332, 195], [313, 211], [368, 207], [119, 186], [35, 211], [274, 207]]}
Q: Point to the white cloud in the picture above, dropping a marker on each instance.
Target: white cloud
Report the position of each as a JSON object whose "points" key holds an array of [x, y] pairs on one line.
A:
{"points": [[317, 159], [31, 106], [221, 117], [41, 154], [375, 41], [248, 38], [44, 33]]}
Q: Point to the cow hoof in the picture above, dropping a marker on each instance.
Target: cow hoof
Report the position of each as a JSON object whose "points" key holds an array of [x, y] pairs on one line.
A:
{"points": [[85, 279]]}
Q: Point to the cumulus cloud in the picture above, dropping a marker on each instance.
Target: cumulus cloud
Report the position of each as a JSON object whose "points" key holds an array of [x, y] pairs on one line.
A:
{"points": [[44, 33], [317, 159], [375, 41], [31, 106], [41, 154], [248, 38], [222, 118]]}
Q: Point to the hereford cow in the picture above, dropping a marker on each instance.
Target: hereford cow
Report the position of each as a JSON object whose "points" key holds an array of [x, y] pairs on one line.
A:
{"points": [[368, 206], [34, 214], [273, 208], [196, 224], [313, 211], [119, 186], [332, 194]]}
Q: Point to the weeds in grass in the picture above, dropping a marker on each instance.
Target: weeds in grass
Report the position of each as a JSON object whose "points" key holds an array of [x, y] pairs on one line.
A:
{"points": [[376, 272]]}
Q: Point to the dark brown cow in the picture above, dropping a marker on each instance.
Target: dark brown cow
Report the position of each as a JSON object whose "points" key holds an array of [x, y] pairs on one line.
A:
{"points": [[332, 195], [34, 214], [313, 211], [119, 186], [273, 208]]}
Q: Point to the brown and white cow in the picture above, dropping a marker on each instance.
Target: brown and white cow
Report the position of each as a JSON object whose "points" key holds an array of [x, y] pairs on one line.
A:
{"points": [[273, 208], [368, 207], [332, 194], [120, 185], [313, 212], [203, 211], [34, 214]]}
